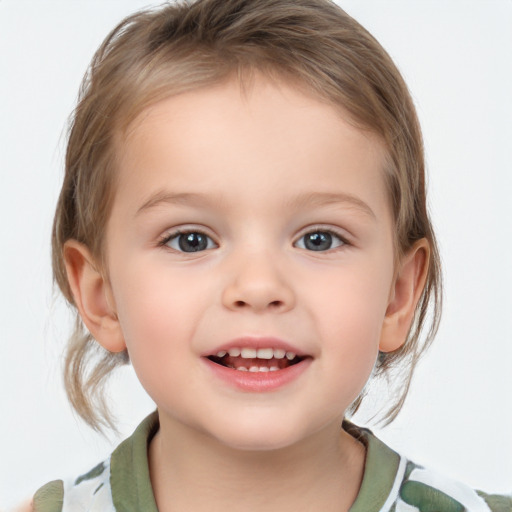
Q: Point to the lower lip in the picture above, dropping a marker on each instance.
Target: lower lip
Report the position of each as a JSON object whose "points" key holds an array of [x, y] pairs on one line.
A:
{"points": [[259, 382]]}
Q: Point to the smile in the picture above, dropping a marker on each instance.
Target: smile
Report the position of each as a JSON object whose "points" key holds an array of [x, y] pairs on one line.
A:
{"points": [[256, 364], [254, 360]]}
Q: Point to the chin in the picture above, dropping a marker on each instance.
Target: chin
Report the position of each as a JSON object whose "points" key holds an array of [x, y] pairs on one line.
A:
{"points": [[260, 437], [259, 444]]}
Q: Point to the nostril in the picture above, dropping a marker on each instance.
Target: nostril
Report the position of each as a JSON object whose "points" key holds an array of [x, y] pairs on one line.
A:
{"points": [[274, 304]]}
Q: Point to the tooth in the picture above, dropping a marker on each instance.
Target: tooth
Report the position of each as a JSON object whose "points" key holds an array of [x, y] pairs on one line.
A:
{"points": [[248, 353], [290, 356], [279, 353], [242, 369], [273, 369], [263, 369], [234, 352], [221, 353], [254, 369], [264, 353]]}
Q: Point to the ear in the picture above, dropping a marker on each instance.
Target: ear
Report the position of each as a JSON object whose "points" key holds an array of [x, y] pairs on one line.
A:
{"points": [[405, 293], [93, 297]]}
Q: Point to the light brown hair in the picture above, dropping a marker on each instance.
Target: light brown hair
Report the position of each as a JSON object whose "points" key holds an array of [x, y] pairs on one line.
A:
{"points": [[178, 47]]}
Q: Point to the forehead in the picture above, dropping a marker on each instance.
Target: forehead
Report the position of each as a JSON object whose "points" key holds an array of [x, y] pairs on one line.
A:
{"points": [[265, 132]]}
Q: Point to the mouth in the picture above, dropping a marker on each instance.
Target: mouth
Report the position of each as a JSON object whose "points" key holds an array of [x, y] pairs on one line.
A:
{"points": [[261, 360], [258, 364]]}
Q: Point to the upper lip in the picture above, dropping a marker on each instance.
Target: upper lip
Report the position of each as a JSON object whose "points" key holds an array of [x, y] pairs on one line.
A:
{"points": [[257, 342]]}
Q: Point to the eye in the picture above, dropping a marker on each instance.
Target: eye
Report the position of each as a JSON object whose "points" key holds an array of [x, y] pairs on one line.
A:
{"points": [[319, 240], [191, 241]]}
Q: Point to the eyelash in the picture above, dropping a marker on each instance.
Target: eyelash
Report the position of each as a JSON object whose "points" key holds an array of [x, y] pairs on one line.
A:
{"points": [[332, 234], [175, 235]]}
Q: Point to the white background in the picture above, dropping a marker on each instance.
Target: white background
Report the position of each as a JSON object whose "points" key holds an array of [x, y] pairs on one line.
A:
{"points": [[456, 57]]}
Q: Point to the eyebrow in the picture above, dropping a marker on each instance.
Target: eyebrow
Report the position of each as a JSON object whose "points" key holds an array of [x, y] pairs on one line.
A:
{"points": [[164, 197], [299, 202], [331, 198]]}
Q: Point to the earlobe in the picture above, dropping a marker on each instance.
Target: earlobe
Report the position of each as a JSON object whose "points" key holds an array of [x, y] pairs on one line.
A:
{"points": [[405, 294], [92, 296]]}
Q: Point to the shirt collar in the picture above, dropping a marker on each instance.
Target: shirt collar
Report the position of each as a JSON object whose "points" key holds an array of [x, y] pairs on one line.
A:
{"points": [[131, 483]]}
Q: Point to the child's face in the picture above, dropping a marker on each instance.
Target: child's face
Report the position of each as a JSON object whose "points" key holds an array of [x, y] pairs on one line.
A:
{"points": [[286, 242]]}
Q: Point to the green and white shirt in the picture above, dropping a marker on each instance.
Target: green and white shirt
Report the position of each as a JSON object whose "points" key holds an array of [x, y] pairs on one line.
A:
{"points": [[391, 483]]}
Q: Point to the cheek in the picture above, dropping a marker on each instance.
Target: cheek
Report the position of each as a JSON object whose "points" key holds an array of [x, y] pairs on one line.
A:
{"points": [[352, 303], [151, 298], [155, 311], [350, 314]]}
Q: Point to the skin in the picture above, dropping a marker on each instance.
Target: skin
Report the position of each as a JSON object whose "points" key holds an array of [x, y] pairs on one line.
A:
{"points": [[255, 172]]}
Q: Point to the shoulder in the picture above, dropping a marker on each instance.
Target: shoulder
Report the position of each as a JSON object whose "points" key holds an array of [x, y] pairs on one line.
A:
{"points": [[90, 491], [121, 482], [426, 490], [393, 483]]}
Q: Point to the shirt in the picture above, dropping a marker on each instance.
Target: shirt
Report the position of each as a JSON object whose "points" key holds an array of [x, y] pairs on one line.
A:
{"points": [[391, 483]]}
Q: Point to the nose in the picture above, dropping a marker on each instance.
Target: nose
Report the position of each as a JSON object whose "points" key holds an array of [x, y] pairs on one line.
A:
{"points": [[257, 284]]}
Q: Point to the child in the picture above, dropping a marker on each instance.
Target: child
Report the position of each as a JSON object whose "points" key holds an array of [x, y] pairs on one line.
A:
{"points": [[244, 217]]}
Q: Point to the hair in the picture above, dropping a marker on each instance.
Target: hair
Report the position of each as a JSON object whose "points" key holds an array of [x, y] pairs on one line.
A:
{"points": [[160, 52]]}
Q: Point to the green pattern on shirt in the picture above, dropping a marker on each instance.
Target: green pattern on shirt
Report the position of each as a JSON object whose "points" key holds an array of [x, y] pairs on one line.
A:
{"points": [[428, 499]]}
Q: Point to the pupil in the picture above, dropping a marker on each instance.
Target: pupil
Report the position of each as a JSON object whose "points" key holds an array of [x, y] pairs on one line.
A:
{"points": [[192, 242], [319, 241]]}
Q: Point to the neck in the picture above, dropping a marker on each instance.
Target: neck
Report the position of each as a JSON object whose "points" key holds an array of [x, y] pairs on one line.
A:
{"points": [[192, 471]]}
